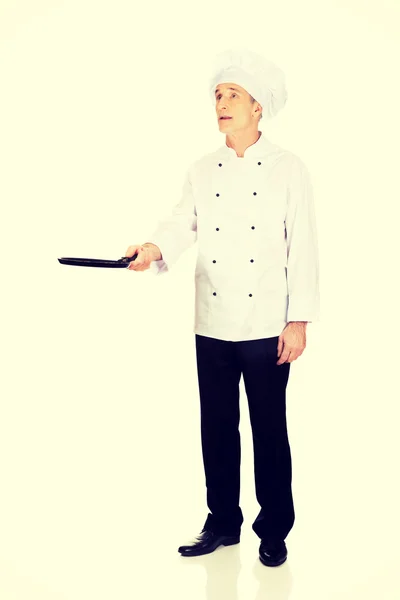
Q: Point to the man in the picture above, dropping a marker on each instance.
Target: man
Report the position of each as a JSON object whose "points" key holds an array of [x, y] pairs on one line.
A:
{"points": [[250, 206]]}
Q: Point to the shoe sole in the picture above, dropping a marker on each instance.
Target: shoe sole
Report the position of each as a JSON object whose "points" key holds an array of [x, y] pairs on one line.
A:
{"points": [[228, 542]]}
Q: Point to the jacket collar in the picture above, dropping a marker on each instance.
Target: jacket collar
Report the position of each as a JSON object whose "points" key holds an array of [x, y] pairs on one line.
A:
{"points": [[260, 148]]}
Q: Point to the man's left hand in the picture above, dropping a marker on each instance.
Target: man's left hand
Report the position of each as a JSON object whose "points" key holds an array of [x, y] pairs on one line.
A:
{"points": [[292, 341]]}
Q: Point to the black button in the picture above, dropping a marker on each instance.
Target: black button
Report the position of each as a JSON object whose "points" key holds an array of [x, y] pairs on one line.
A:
{"points": [[252, 260], [252, 227], [259, 163], [214, 293], [217, 194], [214, 261], [250, 295], [217, 229], [254, 193], [220, 165]]}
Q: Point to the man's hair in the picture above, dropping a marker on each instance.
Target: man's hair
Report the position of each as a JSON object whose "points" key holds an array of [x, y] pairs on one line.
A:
{"points": [[252, 101]]}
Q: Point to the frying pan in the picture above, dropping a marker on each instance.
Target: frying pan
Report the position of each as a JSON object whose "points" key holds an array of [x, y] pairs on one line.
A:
{"points": [[121, 263]]}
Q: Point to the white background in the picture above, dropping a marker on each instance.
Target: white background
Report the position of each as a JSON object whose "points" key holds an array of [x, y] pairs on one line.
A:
{"points": [[103, 106]]}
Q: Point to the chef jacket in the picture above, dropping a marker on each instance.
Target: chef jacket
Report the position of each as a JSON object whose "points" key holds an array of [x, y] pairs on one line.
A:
{"points": [[254, 220]]}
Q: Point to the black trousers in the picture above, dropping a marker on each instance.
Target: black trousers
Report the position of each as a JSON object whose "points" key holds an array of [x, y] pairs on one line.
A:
{"points": [[220, 365]]}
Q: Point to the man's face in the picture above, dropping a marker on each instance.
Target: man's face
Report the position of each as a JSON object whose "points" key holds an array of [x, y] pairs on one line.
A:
{"points": [[234, 103]]}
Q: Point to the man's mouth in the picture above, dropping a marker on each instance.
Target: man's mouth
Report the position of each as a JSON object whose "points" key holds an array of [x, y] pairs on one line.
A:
{"points": [[224, 118]]}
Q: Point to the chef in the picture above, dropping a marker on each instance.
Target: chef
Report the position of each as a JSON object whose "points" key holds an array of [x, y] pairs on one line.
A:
{"points": [[250, 207]]}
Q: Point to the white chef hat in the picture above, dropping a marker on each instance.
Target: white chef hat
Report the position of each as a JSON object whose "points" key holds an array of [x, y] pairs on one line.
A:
{"points": [[260, 77]]}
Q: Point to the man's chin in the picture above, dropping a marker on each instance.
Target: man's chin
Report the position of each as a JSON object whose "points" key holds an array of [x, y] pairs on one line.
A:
{"points": [[225, 126]]}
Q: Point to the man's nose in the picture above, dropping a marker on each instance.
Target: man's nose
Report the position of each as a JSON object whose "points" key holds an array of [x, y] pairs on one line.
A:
{"points": [[222, 104]]}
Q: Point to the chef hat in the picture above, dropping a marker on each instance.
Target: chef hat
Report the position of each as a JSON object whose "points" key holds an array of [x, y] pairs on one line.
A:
{"points": [[260, 77]]}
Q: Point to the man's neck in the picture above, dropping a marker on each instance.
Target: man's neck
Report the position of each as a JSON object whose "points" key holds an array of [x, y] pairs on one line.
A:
{"points": [[239, 142]]}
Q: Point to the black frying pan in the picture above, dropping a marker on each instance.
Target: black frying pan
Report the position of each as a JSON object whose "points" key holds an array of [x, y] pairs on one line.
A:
{"points": [[121, 263]]}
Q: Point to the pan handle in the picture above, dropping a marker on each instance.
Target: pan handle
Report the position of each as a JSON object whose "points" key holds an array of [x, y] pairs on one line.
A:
{"points": [[127, 259]]}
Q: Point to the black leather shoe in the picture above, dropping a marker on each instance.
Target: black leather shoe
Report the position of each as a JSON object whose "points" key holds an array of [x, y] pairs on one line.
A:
{"points": [[273, 554], [207, 542]]}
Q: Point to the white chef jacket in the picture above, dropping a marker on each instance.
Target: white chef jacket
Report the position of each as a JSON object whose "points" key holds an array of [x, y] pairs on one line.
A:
{"points": [[253, 217]]}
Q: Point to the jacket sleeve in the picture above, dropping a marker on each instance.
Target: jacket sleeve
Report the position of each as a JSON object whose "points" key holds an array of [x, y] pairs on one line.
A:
{"points": [[302, 247], [177, 232]]}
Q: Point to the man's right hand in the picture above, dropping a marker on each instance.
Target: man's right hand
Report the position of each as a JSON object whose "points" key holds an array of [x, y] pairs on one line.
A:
{"points": [[145, 255]]}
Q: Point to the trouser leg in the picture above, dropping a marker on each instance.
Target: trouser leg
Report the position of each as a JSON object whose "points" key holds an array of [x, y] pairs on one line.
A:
{"points": [[219, 377], [265, 383]]}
